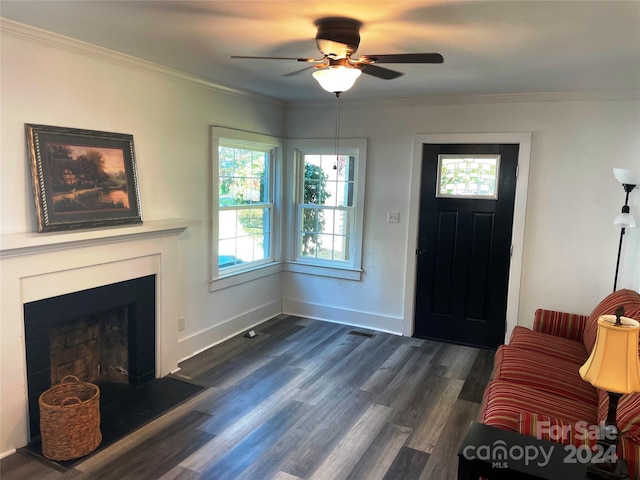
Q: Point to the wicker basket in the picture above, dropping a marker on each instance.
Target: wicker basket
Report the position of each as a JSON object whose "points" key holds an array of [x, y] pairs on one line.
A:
{"points": [[70, 419]]}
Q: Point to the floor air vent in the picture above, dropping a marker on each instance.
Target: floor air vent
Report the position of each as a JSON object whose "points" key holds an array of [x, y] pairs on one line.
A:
{"points": [[362, 334]]}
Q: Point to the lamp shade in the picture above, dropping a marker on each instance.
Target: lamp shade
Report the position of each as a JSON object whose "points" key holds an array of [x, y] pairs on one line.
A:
{"points": [[627, 176], [337, 79], [613, 364], [625, 220]]}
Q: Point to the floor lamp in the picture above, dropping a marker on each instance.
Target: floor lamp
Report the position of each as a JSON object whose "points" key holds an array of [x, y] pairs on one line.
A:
{"points": [[629, 180]]}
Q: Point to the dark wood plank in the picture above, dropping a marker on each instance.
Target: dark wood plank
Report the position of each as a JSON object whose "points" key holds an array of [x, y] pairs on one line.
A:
{"points": [[412, 381], [159, 454], [441, 464], [380, 455], [314, 340], [180, 473], [20, 466], [408, 464], [252, 448], [478, 377], [250, 392], [324, 358], [353, 370], [432, 418], [323, 429], [382, 377], [344, 456], [458, 359]]}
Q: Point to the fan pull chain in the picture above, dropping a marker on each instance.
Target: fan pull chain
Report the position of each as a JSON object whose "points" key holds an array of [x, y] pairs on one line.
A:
{"points": [[337, 134]]}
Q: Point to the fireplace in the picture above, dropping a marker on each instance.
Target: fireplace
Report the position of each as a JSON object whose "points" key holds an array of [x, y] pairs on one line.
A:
{"points": [[102, 335]]}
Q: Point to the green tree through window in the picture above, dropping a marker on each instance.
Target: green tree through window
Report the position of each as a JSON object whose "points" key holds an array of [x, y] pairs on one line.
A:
{"points": [[315, 193]]}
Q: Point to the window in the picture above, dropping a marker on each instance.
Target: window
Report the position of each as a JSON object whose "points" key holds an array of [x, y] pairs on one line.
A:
{"points": [[245, 229], [468, 177], [328, 215]]}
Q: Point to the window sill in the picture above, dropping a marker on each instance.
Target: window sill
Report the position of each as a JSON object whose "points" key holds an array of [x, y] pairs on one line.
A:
{"points": [[323, 270], [237, 278]]}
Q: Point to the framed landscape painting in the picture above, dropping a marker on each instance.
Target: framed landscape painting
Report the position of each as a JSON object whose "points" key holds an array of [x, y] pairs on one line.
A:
{"points": [[82, 178]]}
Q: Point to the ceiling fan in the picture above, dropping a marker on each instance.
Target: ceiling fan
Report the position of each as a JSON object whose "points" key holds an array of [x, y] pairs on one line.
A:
{"points": [[337, 40]]}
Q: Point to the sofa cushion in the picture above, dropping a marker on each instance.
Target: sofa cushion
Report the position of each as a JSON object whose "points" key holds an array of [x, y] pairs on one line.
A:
{"points": [[628, 416], [561, 324], [628, 299], [630, 451], [550, 374], [553, 429], [551, 345], [504, 401]]}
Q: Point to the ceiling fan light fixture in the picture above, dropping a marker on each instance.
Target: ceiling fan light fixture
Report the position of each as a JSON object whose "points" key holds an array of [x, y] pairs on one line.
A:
{"points": [[337, 78]]}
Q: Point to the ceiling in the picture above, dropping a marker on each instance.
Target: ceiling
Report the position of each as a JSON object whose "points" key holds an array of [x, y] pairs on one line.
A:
{"points": [[489, 47]]}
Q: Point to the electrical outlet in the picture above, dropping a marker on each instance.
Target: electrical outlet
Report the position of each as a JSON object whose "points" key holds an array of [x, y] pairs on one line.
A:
{"points": [[182, 323]]}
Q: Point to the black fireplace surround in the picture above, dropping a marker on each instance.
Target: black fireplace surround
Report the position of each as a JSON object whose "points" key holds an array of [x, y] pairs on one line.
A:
{"points": [[137, 296]]}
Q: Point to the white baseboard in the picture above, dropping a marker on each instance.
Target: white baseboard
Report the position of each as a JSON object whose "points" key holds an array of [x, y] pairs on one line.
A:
{"points": [[343, 316], [6, 454], [198, 342]]}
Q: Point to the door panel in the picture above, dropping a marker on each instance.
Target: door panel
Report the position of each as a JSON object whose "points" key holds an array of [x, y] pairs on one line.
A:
{"points": [[464, 253]]}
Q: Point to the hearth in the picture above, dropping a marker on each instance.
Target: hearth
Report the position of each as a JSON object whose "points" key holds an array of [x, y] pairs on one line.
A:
{"points": [[104, 335]]}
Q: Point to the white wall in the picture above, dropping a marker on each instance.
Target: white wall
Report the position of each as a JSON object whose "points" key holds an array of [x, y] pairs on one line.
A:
{"points": [[570, 243]]}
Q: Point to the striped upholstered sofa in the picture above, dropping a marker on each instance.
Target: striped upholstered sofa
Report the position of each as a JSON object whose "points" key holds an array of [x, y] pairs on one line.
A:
{"points": [[536, 388]]}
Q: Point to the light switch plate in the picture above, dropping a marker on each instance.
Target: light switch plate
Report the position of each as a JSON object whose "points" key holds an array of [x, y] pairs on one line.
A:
{"points": [[393, 217]]}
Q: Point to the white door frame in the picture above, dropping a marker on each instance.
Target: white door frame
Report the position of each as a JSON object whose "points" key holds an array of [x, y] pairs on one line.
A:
{"points": [[519, 213]]}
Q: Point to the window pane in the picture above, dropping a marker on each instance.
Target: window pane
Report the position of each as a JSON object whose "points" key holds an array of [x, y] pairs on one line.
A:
{"points": [[242, 175], [327, 181], [311, 219], [325, 233], [326, 247], [343, 184], [464, 176], [341, 248], [244, 236], [315, 182]]}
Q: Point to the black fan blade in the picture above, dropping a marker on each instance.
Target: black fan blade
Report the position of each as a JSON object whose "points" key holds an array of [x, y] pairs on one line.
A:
{"points": [[296, 72], [378, 72], [308, 60], [404, 58]]}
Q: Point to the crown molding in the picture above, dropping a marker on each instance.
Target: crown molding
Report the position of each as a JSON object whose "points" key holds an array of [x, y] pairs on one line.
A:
{"points": [[54, 40], [444, 100]]}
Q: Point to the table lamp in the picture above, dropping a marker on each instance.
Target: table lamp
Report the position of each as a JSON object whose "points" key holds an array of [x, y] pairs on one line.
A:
{"points": [[613, 366]]}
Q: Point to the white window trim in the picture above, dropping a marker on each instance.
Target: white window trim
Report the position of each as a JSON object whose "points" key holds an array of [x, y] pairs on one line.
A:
{"points": [[259, 269], [346, 270]]}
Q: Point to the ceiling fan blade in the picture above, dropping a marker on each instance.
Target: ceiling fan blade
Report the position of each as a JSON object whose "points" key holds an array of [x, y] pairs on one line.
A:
{"points": [[404, 58], [296, 72], [378, 72], [308, 60]]}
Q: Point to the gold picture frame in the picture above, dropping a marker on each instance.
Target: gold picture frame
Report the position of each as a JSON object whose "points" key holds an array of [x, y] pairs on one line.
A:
{"points": [[82, 178]]}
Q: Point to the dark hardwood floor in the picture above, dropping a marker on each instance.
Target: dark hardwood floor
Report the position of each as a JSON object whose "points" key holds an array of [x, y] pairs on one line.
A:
{"points": [[304, 399]]}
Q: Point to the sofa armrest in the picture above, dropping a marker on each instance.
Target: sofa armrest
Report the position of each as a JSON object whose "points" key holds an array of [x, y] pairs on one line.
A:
{"points": [[561, 324]]}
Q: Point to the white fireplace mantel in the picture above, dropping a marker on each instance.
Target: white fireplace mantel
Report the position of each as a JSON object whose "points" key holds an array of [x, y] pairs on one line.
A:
{"points": [[17, 244]]}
